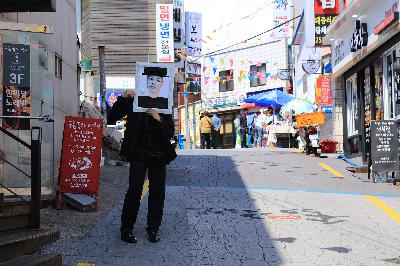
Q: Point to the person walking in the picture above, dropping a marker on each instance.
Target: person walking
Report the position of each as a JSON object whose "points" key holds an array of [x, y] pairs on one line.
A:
{"points": [[243, 127], [147, 146], [215, 131], [206, 125], [259, 124]]}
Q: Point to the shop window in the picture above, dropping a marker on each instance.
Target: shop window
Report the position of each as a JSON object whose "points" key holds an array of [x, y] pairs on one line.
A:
{"points": [[58, 66], [379, 94], [258, 75], [352, 106], [393, 85], [226, 81]]}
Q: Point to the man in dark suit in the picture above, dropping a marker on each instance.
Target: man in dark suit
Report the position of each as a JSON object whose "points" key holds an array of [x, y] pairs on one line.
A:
{"points": [[155, 81], [147, 146]]}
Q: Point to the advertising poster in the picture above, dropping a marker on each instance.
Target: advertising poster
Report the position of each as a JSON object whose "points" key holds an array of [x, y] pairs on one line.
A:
{"points": [[282, 12], [16, 85], [154, 87], [165, 33]]}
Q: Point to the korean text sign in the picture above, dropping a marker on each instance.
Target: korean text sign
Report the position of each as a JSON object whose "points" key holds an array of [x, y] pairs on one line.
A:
{"points": [[193, 33], [16, 85], [384, 146], [326, 12], [323, 95], [165, 33], [81, 155]]}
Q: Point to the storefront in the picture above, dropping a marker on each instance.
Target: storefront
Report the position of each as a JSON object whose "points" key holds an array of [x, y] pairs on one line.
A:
{"points": [[366, 70]]}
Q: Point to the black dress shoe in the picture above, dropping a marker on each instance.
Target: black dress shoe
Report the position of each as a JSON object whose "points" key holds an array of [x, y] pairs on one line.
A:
{"points": [[127, 235], [154, 237]]}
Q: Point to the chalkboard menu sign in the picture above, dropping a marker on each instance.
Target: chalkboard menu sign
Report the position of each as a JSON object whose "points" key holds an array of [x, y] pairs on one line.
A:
{"points": [[384, 146]]}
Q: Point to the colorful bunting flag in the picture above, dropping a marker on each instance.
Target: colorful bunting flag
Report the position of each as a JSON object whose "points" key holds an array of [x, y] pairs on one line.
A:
{"points": [[204, 68], [215, 70], [212, 59], [218, 79], [222, 61], [231, 72], [231, 62], [241, 73], [250, 77]]}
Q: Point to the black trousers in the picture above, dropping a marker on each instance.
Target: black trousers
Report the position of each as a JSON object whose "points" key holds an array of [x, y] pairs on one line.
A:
{"points": [[214, 138], [137, 174], [243, 136], [205, 140]]}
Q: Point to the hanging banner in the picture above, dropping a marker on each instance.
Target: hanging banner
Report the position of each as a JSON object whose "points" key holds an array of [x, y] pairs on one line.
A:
{"points": [[323, 95], [193, 34], [282, 12], [326, 12], [16, 85], [164, 33], [179, 32], [81, 155]]}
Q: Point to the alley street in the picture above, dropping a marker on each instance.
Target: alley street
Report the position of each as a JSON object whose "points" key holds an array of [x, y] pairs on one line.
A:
{"points": [[255, 207]]}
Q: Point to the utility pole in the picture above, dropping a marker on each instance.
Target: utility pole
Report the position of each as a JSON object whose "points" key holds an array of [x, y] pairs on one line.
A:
{"points": [[102, 55]]}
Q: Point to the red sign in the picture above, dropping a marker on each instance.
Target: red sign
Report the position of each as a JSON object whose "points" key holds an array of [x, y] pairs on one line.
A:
{"points": [[323, 95], [326, 7], [81, 155], [392, 18]]}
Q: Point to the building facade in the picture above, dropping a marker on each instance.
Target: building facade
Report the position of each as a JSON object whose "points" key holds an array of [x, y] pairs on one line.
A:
{"points": [[231, 76], [54, 83], [365, 59]]}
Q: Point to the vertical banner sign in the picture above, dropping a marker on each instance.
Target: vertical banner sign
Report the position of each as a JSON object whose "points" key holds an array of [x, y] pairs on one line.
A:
{"points": [[16, 85], [325, 12], [81, 155], [193, 33], [384, 146], [282, 12], [323, 95], [179, 33], [164, 32]]}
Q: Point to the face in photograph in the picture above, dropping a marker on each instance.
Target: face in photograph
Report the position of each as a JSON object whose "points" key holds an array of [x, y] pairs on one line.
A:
{"points": [[154, 85]]}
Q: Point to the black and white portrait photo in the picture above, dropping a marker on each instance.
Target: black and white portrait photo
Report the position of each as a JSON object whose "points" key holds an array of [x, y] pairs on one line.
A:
{"points": [[154, 85]]}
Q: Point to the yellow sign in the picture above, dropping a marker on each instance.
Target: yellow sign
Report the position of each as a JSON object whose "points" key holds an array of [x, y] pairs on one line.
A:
{"points": [[310, 119]]}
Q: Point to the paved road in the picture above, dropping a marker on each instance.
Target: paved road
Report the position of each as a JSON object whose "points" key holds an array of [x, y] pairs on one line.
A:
{"points": [[256, 207]]}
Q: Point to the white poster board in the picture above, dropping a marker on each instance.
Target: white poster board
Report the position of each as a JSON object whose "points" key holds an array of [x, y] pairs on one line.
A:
{"points": [[154, 87], [165, 33]]}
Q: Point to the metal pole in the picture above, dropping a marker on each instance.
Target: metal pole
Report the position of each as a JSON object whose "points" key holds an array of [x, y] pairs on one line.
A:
{"points": [[185, 96], [36, 184], [102, 55]]}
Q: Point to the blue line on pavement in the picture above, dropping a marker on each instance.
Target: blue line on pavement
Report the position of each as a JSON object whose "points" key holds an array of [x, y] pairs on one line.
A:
{"points": [[292, 189]]}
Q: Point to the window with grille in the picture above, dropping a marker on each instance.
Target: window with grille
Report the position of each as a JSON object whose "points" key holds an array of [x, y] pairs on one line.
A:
{"points": [[258, 75], [226, 80]]}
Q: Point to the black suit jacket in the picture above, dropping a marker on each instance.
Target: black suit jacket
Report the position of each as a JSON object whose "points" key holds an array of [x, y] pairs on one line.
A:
{"points": [[124, 107]]}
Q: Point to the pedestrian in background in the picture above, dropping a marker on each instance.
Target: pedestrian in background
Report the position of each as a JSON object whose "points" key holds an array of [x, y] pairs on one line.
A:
{"points": [[206, 125], [243, 127], [258, 124], [147, 146], [215, 131]]}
